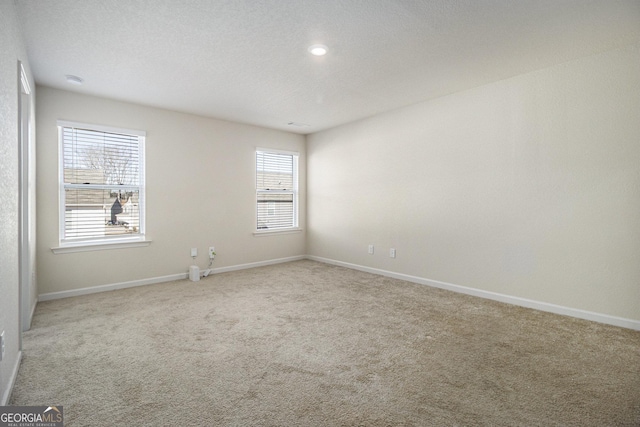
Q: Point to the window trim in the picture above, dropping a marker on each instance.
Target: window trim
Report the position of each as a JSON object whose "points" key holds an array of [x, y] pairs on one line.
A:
{"points": [[99, 246], [295, 192], [263, 233], [100, 243]]}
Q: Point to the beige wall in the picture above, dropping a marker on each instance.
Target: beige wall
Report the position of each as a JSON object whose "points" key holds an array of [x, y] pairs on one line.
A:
{"points": [[12, 50], [200, 192], [528, 187]]}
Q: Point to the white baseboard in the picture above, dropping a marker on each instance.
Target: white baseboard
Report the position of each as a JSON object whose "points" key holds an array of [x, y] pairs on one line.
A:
{"points": [[258, 264], [154, 280], [522, 302], [12, 380], [110, 287]]}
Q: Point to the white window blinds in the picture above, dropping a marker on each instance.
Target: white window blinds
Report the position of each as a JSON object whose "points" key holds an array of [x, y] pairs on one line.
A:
{"points": [[102, 183], [276, 190]]}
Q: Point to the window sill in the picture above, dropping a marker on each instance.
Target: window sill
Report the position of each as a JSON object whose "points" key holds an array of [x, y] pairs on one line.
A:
{"points": [[262, 233], [100, 246]]}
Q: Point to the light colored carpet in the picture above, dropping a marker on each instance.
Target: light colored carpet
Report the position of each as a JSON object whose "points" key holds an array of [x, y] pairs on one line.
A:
{"points": [[310, 344]]}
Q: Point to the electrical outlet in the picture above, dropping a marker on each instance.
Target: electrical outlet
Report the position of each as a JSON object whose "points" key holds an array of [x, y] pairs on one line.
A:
{"points": [[1, 346], [212, 252], [392, 252], [194, 251], [370, 249]]}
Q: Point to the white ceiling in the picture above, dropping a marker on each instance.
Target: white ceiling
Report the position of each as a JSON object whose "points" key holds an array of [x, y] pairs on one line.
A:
{"points": [[247, 60]]}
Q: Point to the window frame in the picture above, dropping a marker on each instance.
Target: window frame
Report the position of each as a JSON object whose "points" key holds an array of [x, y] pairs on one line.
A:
{"points": [[96, 242], [294, 192]]}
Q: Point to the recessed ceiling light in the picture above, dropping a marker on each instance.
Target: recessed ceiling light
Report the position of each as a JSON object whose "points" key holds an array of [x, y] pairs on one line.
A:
{"points": [[74, 80], [318, 49]]}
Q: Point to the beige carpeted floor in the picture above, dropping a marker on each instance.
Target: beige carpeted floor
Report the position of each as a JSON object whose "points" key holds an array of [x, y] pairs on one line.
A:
{"points": [[310, 344]]}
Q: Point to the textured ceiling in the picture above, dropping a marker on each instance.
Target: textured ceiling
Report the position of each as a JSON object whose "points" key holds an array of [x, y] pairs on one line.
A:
{"points": [[247, 61]]}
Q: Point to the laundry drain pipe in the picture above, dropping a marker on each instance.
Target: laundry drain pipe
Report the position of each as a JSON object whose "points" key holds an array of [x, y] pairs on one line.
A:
{"points": [[194, 273]]}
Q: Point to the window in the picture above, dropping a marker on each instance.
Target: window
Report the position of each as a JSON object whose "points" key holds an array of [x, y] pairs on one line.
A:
{"points": [[276, 190], [101, 184]]}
